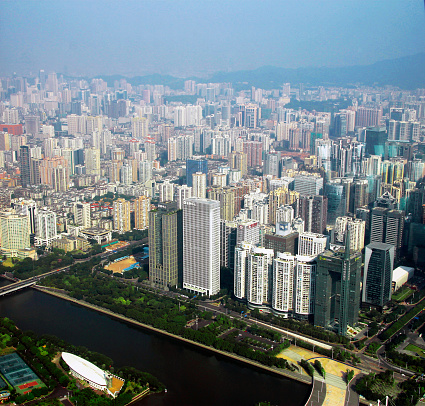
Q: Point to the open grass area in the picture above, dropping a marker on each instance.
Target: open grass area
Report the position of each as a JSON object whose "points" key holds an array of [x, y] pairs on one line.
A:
{"points": [[8, 263], [416, 350], [402, 294]]}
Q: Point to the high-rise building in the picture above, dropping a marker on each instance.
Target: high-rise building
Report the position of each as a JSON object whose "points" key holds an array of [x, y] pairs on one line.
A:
{"points": [[15, 233], [258, 276], [226, 197], [387, 226], [311, 244], [45, 228], [92, 161], [305, 286], [182, 193], [25, 167], [357, 232], [82, 214], [378, 271], [193, 166], [199, 185], [166, 191], [336, 192], [139, 127], [233, 233], [284, 267], [201, 245], [26, 208], [308, 185], [253, 151], [375, 141], [165, 246], [122, 215], [313, 210], [142, 206], [368, 116], [337, 298], [287, 242]]}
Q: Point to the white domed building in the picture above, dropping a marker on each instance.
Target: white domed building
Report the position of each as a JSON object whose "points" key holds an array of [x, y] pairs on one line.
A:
{"points": [[97, 378]]}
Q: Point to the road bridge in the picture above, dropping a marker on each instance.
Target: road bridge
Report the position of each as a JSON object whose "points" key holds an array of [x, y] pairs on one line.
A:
{"points": [[13, 287]]}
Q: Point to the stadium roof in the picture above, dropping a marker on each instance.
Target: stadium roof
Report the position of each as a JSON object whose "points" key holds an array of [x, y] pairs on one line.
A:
{"points": [[85, 368]]}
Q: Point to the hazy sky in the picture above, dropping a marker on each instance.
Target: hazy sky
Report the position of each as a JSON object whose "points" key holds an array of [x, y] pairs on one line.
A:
{"points": [[185, 37]]}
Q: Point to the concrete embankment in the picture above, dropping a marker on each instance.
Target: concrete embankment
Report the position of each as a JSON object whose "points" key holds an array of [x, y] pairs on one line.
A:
{"points": [[285, 373]]}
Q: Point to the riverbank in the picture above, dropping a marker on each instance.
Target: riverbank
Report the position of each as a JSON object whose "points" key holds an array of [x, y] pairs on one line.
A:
{"points": [[285, 373]]}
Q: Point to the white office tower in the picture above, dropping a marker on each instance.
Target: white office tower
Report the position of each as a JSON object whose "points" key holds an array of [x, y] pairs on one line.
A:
{"points": [[312, 244], [199, 185], [259, 267], [14, 227], [182, 193], [45, 228], [283, 283], [305, 286], [201, 245], [145, 171], [92, 161], [27, 208], [357, 232], [166, 191], [82, 214], [285, 214], [126, 174], [241, 261]]}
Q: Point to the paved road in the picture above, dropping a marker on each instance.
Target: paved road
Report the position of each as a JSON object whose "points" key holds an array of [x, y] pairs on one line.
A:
{"points": [[318, 394]]}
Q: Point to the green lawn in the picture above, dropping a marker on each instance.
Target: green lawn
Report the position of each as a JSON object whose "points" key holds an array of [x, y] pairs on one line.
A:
{"points": [[402, 294], [8, 262], [416, 350]]}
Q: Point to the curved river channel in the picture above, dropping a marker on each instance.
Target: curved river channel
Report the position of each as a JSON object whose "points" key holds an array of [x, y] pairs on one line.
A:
{"points": [[192, 376]]}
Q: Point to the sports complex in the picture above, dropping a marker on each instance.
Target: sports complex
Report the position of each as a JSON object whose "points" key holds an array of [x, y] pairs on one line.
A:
{"points": [[91, 374]]}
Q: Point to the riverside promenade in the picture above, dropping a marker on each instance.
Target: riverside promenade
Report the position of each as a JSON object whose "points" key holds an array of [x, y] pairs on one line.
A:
{"points": [[283, 372]]}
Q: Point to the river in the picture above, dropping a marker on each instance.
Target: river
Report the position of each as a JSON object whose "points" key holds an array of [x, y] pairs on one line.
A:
{"points": [[192, 376]]}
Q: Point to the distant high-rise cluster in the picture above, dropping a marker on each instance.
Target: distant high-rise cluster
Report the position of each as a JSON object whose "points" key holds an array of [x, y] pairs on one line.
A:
{"points": [[225, 181]]}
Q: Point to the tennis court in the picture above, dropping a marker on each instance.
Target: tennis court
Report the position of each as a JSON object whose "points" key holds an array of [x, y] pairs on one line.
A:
{"points": [[18, 373]]}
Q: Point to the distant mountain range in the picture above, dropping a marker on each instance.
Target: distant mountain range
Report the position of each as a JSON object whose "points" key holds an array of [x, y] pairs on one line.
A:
{"points": [[406, 72]]}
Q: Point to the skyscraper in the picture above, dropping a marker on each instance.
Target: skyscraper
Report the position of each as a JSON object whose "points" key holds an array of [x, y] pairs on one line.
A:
{"points": [[337, 299], [258, 276], [284, 267], [142, 206], [193, 166], [25, 168], [311, 244], [199, 188], [378, 270], [201, 245], [313, 210], [122, 215], [165, 245], [82, 215], [387, 226], [15, 236], [45, 228]]}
